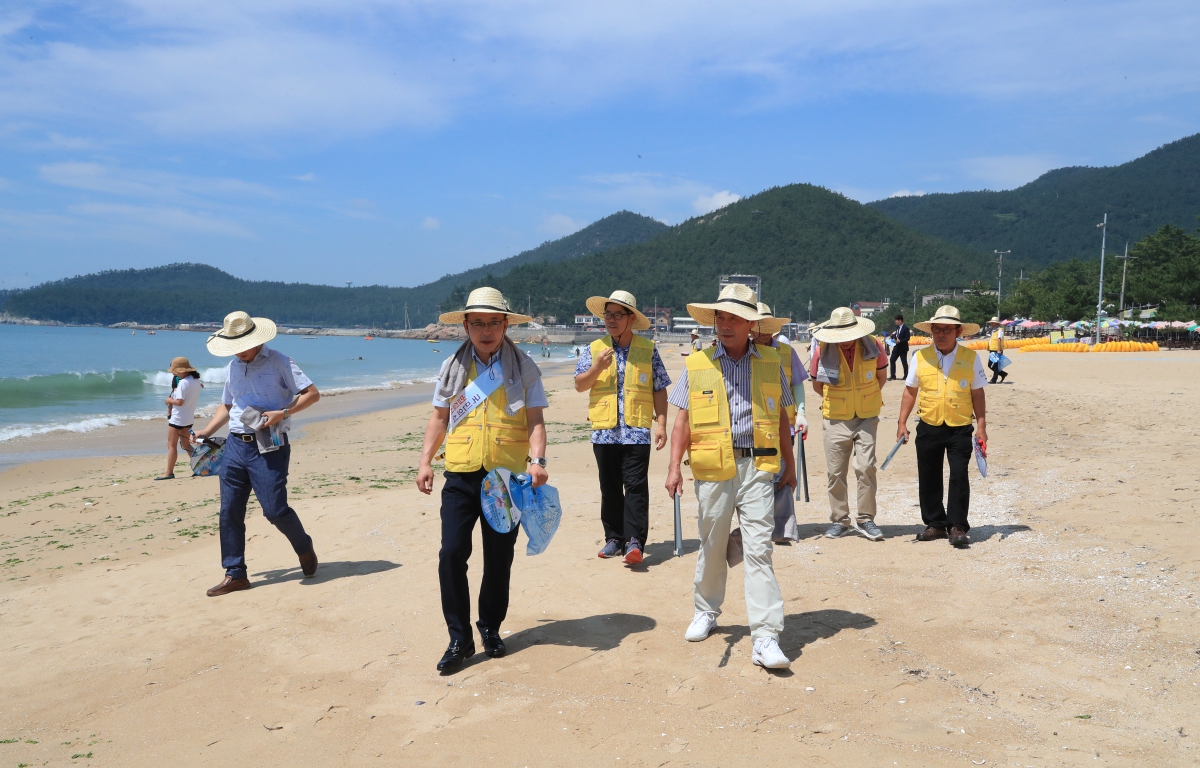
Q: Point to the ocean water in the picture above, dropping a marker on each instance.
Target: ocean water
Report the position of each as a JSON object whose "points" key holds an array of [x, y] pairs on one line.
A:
{"points": [[84, 379]]}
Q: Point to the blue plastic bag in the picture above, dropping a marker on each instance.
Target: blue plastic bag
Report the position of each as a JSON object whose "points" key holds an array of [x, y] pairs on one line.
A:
{"points": [[509, 500]]}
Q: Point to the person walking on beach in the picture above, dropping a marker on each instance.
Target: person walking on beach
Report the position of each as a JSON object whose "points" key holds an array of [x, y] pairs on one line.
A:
{"points": [[733, 401], [996, 346], [900, 336], [847, 369], [263, 388], [627, 385], [947, 382], [181, 411], [487, 406], [766, 333]]}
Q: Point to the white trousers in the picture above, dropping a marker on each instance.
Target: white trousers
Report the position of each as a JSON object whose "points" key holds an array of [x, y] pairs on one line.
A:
{"points": [[752, 493]]}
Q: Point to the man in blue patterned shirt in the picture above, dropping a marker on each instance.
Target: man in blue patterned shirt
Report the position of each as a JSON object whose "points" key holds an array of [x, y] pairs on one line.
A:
{"points": [[628, 394]]}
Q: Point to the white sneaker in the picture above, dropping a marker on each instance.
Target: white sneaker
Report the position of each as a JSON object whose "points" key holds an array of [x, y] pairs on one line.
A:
{"points": [[701, 627], [768, 654]]}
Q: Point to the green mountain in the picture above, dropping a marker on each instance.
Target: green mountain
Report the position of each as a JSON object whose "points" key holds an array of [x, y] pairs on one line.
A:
{"points": [[190, 293], [1054, 217], [804, 241]]}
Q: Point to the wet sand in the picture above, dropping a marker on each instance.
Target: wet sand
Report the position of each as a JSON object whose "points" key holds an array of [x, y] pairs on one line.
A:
{"points": [[1066, 634]]}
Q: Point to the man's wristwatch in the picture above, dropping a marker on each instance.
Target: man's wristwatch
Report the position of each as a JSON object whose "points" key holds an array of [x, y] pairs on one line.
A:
{"points": [[286, 413], [541, 461]]}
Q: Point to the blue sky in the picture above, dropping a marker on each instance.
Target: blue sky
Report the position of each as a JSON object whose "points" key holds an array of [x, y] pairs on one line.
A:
{"points": [[394, 142]]}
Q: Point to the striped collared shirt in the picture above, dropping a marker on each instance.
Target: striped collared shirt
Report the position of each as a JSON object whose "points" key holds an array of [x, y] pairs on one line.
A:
{"points": [[737, 387]]}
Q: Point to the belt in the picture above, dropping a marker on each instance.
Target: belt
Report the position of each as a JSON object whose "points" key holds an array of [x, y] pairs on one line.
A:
{"points": [[242, 436], [746, 453]]}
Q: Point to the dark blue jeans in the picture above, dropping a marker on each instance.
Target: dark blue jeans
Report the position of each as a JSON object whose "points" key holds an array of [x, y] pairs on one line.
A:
{"points": [[243, 470]]}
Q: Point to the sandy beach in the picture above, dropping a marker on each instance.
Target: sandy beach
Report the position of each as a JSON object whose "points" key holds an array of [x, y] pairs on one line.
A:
{"points": [[1066, 635]]}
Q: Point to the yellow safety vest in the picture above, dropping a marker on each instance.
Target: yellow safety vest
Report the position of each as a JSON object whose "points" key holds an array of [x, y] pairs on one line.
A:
{"points": [[489, 437], [785, 357], [710, 452], [639, 386], [856, 395], [945, 399], [994, 342]]}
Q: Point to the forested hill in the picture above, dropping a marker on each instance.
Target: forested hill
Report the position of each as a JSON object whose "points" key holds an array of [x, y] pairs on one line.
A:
{"points": [[189, 293], [1054, 217], [804, 241]]}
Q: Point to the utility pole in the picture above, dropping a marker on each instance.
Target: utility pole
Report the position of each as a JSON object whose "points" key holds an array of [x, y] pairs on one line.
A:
{"points": [[999, 277], [406, 326], [1124, 271], [810, 311], [1103, 227], [914, 314]]}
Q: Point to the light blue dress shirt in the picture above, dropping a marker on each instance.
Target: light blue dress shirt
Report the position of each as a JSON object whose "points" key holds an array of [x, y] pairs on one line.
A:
{"points": [[269, 382]]}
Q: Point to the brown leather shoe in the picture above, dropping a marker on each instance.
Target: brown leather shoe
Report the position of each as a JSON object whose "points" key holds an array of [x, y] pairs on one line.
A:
{"points": [[308, 563], [931, 533], [229, 584], [959, 538]]}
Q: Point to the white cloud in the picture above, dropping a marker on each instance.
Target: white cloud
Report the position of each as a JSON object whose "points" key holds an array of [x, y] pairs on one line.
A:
{"points": [[560, 225], [306, 177], [96, 177], [706, 203], [907, 193], [1009, 171], [431, 223], [163, 218]]}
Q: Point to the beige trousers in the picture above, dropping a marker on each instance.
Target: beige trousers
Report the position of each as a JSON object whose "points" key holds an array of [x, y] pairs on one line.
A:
{"points": [[752, 493], [842, 440]]}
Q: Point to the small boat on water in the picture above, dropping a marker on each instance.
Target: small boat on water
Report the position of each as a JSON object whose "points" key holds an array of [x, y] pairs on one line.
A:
{"points": [[368, 338], [308, 338], [432, 341], [133, 333], [151, 333]]}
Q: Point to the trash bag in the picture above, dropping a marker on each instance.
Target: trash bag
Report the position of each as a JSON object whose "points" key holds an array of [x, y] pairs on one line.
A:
{"points": [[509, 500], [206, 457]]}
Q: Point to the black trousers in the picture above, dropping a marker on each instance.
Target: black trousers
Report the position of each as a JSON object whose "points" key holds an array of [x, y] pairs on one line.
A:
{"points": [[899, 352], [624, 491], [461, 509], [955, 444], [996, 372]]}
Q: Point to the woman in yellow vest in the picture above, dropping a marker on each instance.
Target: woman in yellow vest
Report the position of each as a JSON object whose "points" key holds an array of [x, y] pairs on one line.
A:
{"points": [[766, 333], [849, 369], [946, 383], [733, 402], [628, 384], [487, 405]]}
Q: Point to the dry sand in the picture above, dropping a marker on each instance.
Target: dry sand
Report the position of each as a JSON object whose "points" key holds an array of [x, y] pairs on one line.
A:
{"points": [[1066, 635]]}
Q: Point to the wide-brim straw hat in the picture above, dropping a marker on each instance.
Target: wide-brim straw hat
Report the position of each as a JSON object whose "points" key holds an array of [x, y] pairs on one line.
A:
{"points": [[240, 332], [180, 366], [947, 315], [994, 321], [843, 325], [626, 299], [735, 298], [485, 301], [770, 324]]}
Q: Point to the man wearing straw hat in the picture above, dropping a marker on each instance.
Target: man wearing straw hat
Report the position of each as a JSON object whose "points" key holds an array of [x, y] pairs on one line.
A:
{"points": [[733, 401], [263, 388], [849, 369], [766, 333], [487, 406], [947, 382], [996, 345], [628, 384]]}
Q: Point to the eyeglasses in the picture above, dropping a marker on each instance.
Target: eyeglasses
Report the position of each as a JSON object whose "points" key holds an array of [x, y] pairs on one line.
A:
{"points": [[944, 328], [616, 315], [494, 325]]}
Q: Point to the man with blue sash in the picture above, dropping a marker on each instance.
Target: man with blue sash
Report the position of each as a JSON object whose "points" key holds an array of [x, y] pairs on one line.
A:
{"points": [[487, 407]]}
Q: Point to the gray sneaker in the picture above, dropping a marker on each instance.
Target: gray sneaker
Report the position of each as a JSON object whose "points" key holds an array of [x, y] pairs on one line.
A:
{"points": [[870, 530], [836, 531]]}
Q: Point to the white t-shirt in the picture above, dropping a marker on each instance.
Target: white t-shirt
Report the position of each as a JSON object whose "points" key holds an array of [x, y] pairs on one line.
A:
{"points": [[188, 390], [978, 380]]}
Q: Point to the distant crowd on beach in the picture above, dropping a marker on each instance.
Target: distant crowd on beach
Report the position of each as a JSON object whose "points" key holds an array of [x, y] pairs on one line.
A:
{"points": [[740, 423]]}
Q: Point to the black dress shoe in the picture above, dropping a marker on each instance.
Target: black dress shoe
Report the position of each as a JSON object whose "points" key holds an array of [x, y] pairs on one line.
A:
{"points": [[456, 653], [492, 644]]}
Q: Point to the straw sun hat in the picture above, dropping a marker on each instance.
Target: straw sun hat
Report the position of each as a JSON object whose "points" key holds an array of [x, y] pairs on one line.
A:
{"points": [[486, 301], [770, 324], [947, 315], [180, 367], [240, 332], [735, 298], [843, 325], [596, 306]]}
